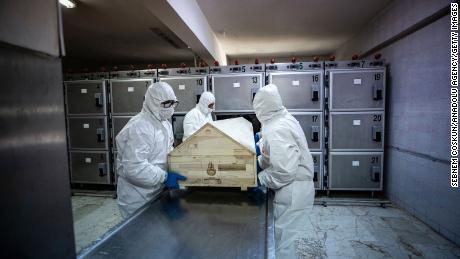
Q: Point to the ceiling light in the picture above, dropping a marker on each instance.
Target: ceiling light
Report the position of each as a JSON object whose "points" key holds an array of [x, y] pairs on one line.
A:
{"points": [[67, 3]]}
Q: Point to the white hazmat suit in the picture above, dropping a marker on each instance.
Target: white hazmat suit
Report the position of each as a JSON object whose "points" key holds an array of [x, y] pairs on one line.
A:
{"points": [[143, 145], [198, 116], [287, 169]]}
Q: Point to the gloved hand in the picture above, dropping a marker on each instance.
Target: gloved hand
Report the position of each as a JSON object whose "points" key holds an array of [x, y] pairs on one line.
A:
{"points": [[263, 161], [257, 137], [172, 178], [259, 189]]}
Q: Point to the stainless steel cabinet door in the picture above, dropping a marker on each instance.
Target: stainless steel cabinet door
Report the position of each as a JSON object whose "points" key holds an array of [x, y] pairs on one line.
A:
{"points": [[312, 125], [300, 90], [357, 90], [86, 97], [90, 167], [178, 129], [128, 95], [357, 131], [235, 92], [188, 91], [355, 170], [118, 122], [88, 133]]}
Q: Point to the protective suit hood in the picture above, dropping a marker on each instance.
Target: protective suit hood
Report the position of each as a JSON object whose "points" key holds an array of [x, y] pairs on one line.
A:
{"points": [[198, 116], [267, 103], [155, 95], [206, 99]]}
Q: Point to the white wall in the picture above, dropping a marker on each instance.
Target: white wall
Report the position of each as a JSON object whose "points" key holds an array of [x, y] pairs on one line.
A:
{"points": [[417, 175]]}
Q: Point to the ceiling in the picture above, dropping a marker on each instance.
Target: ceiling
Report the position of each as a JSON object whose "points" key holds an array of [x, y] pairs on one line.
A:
{"points": [[287, 27], [125, 32], [119, 31]]}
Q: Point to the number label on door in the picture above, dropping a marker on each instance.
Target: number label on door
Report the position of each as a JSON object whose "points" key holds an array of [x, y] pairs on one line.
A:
{"points": [[315, 78]]}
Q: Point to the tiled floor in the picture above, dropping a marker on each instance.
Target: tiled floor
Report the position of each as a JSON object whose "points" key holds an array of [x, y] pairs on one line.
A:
{"points": [[93, 217], [371, 232], [334, 231]]}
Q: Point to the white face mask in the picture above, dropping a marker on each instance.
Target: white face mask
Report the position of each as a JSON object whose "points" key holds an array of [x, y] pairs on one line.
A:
{"points": [[166, 113], [211, 109]]}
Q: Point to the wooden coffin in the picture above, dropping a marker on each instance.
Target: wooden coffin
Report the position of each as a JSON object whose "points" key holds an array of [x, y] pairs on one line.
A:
{"points": [[220, 154]]}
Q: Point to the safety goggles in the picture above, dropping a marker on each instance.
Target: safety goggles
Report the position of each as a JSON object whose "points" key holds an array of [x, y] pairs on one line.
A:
{"points": [[169, 104], [211, 106]]}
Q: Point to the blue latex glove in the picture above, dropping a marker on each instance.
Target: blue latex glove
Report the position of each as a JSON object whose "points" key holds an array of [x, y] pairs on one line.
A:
{"points": [[256, 139], [259, 189], [172, 178]]}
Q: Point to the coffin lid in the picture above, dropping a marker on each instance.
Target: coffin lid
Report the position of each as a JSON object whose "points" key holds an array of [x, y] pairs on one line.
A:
{"points": [[238, 130]]}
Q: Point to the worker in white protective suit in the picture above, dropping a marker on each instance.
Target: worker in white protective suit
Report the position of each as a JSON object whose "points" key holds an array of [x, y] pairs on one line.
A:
{"points": [[200, 115], [287, 169], [143, 145]]}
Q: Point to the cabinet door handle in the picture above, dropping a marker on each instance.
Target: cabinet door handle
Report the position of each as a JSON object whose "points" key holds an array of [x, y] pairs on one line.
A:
{"points": [[377, 92], [100, 135], [102, 169], [377, 133], [375, 173], [315, 93], [315, 133], [98, 98]]}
